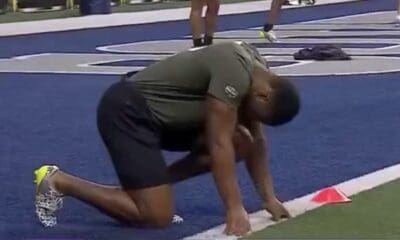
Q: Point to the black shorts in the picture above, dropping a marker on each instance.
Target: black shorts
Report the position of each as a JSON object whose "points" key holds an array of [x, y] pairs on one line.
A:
{"points": [[132, 137]]}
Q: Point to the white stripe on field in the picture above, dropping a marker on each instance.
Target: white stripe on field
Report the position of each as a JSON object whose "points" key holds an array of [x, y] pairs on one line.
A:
{"points": [[131, 18], [261, 219]]}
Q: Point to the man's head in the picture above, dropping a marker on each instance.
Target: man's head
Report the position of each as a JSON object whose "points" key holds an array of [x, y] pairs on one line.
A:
{"points": [[272, 100]]}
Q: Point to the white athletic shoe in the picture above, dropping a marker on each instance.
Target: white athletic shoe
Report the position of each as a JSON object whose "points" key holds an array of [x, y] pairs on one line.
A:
{"points": [[299, 2], [47, 199], [307, 2], [177, 219], [270, 36]]}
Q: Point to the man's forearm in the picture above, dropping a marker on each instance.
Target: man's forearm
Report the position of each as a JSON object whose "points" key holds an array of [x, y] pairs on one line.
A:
{"points": [[223, 170], [257, 166]]}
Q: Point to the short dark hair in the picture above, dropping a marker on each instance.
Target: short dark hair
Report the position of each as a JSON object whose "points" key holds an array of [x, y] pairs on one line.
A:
{"points": [[285, 101]]}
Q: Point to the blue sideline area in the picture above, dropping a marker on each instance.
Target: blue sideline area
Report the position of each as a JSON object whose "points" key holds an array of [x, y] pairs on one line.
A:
{"points": [[347, 127]]}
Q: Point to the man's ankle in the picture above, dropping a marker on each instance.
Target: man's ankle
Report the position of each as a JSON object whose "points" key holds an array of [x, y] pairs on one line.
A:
{"points": [[197, 42], [208, 40], [268, 27]]}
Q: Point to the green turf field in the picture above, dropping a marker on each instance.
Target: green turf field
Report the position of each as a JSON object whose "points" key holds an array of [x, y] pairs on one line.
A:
{"points": [[374, 214]]}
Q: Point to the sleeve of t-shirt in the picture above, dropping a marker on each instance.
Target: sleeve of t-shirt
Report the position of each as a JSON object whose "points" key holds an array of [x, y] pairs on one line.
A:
{"points": [[230, 80]]}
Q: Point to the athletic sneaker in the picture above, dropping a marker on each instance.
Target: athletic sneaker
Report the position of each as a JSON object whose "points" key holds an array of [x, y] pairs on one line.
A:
{"points": [[307, 2], [177, 219], [299, 2], [47, 199], [270, 36]]}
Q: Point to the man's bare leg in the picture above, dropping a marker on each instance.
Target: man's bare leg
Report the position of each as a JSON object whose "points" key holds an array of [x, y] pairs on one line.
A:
{"points": [[196, 21], [151, 206], [197, 162], [211, 21], [272, 16], [275, 8], [398, 7], [398, 12], [189, 166]]}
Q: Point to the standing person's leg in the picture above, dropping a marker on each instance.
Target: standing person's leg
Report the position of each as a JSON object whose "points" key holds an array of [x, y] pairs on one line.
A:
{"points": [[272, 16], [132, 139], [196, 21], [398, 12], [211, 21], [398, 7], [3, 6]]}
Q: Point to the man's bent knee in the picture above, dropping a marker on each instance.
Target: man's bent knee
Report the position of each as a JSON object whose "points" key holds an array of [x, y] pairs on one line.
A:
{"points": [[154, 204], [160, 218], [147, 219]]}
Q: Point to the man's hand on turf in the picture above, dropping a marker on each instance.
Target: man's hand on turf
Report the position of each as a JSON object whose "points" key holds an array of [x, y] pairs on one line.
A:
{"points": [[237, 222], [276, 209]]}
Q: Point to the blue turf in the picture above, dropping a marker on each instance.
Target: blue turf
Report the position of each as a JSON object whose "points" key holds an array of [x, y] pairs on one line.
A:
{"points": [[347, 127]]}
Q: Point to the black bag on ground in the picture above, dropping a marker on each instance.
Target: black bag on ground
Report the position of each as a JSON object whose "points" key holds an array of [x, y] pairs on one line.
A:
{"points": [[322, 52]]}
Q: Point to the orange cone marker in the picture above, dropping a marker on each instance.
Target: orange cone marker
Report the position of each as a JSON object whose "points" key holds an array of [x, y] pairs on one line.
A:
{"points": [[330, 195]]}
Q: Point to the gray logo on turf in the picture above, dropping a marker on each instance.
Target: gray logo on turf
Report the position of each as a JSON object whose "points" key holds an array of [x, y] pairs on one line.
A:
{"points": [[231, 91]]}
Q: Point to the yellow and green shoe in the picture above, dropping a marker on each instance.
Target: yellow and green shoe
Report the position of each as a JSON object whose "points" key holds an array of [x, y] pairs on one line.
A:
{"points": [[47, 199], [270, 35]]}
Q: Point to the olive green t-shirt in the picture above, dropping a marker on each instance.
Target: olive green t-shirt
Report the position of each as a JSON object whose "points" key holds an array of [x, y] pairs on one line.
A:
{"points": [[176, 88]]}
